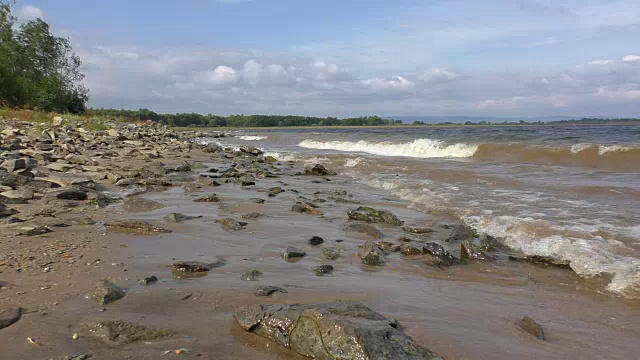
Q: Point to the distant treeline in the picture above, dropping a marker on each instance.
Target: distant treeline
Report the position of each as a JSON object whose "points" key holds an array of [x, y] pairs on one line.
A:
{"points": [[210, 120], [523, 122]]}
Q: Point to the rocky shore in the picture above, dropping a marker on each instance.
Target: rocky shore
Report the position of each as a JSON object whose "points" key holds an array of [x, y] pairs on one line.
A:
{"points": [[85, 217]]}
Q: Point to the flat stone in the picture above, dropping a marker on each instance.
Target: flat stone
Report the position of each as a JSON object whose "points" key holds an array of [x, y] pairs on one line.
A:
{"points": [[197, 266], [293, 252], [331, 253], [106, 293], [531, 326], [140, 204], [268, 290], [9, 316], [253, 275], [230, 224], [33, 230], [122, 332], [371, 255], [136, 227], [417, 229], [5, 211], [323, 270], [306, 207], [543, 260], [365, 229], [252, 216], [178, 217], [334, 330], [388, 247], [210, 198], [371, 215], [409, 250]]}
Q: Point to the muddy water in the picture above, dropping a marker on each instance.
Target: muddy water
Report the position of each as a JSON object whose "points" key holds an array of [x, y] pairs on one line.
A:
{"points": [[464, 312]]}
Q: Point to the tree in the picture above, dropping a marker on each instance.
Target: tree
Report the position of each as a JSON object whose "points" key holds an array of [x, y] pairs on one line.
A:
{"points": [[38, 69]]}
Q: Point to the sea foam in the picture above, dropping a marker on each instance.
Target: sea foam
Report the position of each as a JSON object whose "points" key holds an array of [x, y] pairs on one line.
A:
{"points": [[420, 148]]}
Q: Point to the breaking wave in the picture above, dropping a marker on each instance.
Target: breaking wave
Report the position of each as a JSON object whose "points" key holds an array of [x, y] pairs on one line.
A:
{"points": [[252, 137], [421, 148]]}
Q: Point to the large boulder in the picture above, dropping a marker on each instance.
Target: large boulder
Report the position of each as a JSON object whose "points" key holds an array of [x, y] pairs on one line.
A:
{"points": [[334, 330], [318, 170], [371, 215], [9, 316]]}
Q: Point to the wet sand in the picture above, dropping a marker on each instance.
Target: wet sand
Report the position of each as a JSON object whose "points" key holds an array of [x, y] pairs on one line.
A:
{"points": [[460, 312]]}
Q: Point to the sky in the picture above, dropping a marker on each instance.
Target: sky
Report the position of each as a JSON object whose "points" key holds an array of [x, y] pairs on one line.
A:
{"points": [[494, 58]]}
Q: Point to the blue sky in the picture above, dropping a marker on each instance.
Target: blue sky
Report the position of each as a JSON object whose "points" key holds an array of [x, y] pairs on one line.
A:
{"points": [[342, 58]]}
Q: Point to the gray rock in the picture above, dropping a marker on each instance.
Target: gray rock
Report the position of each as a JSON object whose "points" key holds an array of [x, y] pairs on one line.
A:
{"points": [[126, 182], [10, 220], [409, 250], [136, 227], [471, 252], [335, 330], [178, 217], [323, 270], [318, 170], [293, 252], [460, 233], [104, 199], [268, 290], [197, 266], [315, 241], [122, 332], [251, 150], [365, 229], [14, 164], [371, 215], [210, 198], [140, 204], [106, 293], [257, 200], [33, 230], [306, 208], [9, 316], [80, 160], [543, 260], [435, 254], [5, 211], [417, 229], [149, 280], [20, 196], [275, 191], [331, 253], [77, 357], [387, 246], [531, 326], [253, 275], [252, 216], [371, 255], [230, 224]]}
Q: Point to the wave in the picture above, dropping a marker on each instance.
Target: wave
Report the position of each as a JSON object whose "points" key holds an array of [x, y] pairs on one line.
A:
{"points": [[252, 137], [420, 148]]}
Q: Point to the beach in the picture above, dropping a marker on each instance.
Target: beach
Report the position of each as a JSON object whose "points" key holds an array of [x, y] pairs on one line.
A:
{"points": [[245, 197]]}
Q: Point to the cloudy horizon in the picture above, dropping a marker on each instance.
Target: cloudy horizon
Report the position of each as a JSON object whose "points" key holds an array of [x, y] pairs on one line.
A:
{"points": [[440, 58]]}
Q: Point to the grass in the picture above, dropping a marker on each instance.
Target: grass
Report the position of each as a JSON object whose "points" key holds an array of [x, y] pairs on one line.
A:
{"points": [[91, 123]]}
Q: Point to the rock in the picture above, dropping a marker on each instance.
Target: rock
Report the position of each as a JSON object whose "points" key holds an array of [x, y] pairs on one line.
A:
{"points": [[149, 280], [417, 230], [306, 208], [335, 330], [331, 253], [9, 316], [275, 191], [136, 226], [529, 325], [252, 216], [197, 266], [543, 260], [251, 150], [126, 182], [323, 270], [387, 246], [5, 211], [14, 164], [14, 181], [371, 255], [318, 170], [437, 255], [58, 166], [33, 230], [140, 204], [211, 198], [80, 160], [253, 275], [409, 250], [178, 217], [472, 252], [122, 332], [460, 233], [268, 290], [315, 241], [184, 167], [371, 215], [106, 293], [257, 200], [21, 196], [104, 199], [230, 224], [490, 244], [10, 220], [292, 253], [365, 229], [77, 357]]}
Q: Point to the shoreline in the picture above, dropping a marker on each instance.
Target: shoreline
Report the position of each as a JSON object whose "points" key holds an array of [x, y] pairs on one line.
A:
{"points": [[447, 309]]}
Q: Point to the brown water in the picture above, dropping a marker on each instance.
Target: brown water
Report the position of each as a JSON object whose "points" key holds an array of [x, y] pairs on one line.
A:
{"points": [[464, 312]]}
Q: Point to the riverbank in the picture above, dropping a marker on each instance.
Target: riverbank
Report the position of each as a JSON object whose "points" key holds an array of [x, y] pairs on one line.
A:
{"points": [[73, 187]]}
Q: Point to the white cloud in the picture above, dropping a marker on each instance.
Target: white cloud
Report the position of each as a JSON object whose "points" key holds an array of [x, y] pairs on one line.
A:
{"points": [[221, 75], [436, 75], [631, 58], [29, 12], [601, 62], [396, 82], [251, 72], [545, 42]]}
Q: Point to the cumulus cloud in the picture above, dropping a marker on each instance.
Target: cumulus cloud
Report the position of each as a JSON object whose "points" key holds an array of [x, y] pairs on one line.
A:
{"points": [[436, 75], [221, 75], [631, 58], [396, 82], [29, 12]]}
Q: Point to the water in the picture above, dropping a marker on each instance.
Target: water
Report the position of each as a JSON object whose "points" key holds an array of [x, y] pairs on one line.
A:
{"points": [[570, 192]]}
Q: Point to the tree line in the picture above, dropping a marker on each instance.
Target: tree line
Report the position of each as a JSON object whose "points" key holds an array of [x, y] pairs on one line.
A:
{"points": [[37, 69], [210, 120]]}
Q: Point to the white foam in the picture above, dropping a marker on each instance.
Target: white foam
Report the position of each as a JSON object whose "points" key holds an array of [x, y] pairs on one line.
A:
{"points": [[420, 148], [353, 162], [252, 137], [612, 148], [580, 147], [282, 156], [589, 255]]}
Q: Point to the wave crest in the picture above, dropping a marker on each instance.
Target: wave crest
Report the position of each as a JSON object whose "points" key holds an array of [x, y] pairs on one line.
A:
{"points": [[420, 148]]}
